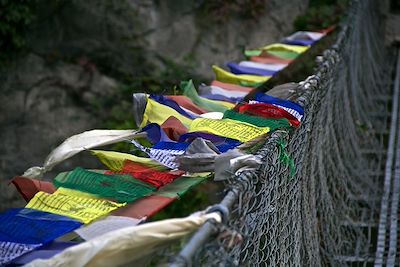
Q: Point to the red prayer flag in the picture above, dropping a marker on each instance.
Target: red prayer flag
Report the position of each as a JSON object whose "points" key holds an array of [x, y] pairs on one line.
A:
{"points": [[29, 187], [185, 102], [174, 128], [268, 111], [144, 207], [232, 87], [270, 60], [147, 174]]}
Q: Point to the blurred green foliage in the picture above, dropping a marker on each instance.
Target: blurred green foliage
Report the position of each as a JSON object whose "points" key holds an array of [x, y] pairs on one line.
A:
{"points": [[15, 17], [321, 14], [221, 10], [157, 79], [194, 200]]}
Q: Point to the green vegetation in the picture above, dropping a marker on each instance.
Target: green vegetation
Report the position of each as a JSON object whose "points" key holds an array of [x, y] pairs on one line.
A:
{"points": [[15, 17], [220, 10], [160, 81], [321, 14]]}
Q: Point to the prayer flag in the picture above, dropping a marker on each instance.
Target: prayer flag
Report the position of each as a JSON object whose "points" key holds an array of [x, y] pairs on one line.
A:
{"points": [[229, 128], [81, 208], [120, 188], [29, 226], [158, 113], [268, 111], [115, 160], [210, 105], [149, 175], [243, 79], [272, 124], [240, 69]]}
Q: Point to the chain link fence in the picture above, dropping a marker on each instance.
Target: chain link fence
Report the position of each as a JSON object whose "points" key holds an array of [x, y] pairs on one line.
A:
{"points": [[314, 200]]}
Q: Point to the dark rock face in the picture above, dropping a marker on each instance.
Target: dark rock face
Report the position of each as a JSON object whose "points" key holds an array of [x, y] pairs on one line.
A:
{"points": [[135, 37], [41, 106], [44, 103]]}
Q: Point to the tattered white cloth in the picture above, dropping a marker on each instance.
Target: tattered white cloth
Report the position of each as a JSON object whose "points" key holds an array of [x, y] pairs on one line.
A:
{"points": [[127, 245], [78, 143]]}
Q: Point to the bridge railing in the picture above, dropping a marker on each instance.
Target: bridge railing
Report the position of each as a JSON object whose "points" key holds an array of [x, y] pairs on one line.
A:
{"points": [[316, 196]]}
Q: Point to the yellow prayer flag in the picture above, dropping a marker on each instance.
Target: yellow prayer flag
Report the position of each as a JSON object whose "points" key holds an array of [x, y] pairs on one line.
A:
{"points": [[159, 113], [241, 131], [83, 209], [74, 193], [240, 79], [115, 160], [284, 47], [220, 102]]}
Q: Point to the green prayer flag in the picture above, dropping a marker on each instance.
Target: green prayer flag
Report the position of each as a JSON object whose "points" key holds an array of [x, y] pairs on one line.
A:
{"points": [[180, 186], [252, 53], [273, 124], [121, 188], [190, 91], [285, 158], [284, 54]]}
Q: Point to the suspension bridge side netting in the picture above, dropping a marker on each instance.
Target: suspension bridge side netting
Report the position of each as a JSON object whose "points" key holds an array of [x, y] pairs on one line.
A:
{"points": [[303, 207]]}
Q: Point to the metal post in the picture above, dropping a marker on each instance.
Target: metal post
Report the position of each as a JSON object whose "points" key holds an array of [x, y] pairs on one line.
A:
{"points": [[206, 231]]}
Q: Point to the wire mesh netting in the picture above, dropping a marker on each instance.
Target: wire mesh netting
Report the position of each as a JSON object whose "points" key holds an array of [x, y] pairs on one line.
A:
{"points": [[315, 199]]}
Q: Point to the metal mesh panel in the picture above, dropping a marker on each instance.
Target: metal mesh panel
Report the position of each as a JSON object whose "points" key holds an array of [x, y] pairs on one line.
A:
{"points": [[322, 211]]}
